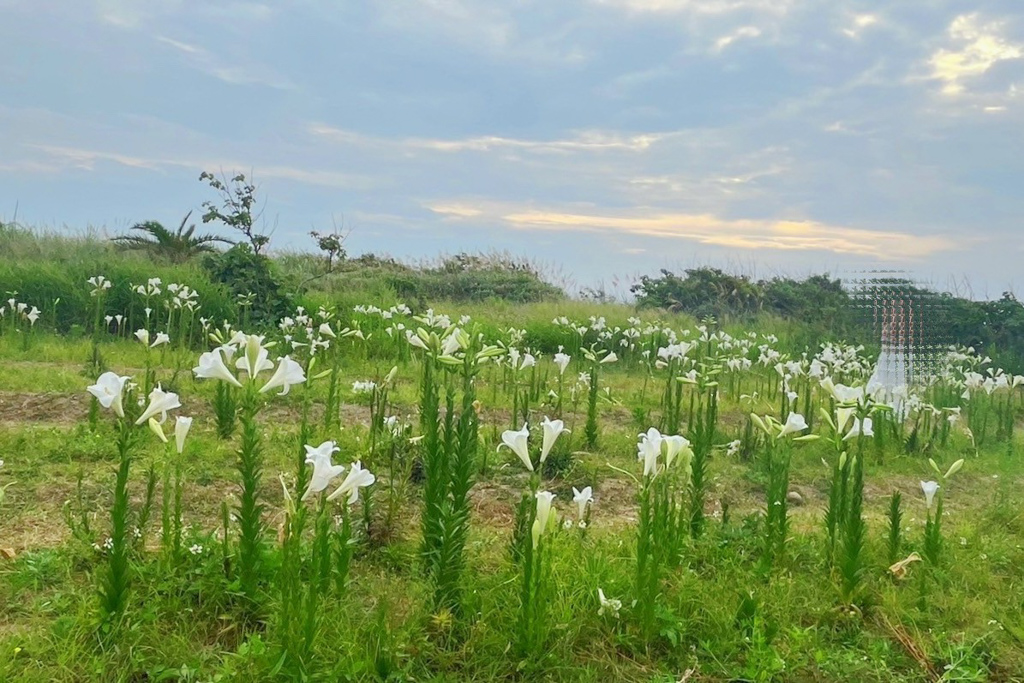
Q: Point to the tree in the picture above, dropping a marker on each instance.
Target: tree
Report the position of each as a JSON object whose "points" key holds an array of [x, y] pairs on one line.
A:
{"points": [[238, 199], [332, 244], [177, 247]]}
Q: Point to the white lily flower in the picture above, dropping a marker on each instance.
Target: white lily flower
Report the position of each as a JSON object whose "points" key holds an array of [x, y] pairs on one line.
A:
{"points": [[794, 423], [325, 330], [860, 428], [415, 340], [181, 426], [288, 373], [516, 441], [843, 415], [256, 358], [528, 361], [648, 450], [929, 488], [161, 338], [608, 605], [676, 445], [323, 470], [142, 335], [451, 343], [160, 401], [552, 430], [582, 499], [212, 366], [610, 358], [108, 390], [540, 523], [357, 478], [562, 361]]}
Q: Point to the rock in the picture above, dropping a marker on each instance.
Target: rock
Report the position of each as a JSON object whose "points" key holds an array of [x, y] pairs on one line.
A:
{"points": [[794, 498]]}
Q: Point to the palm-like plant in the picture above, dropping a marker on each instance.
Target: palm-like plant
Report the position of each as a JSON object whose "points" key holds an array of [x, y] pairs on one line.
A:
{"points": [[178, 246]]}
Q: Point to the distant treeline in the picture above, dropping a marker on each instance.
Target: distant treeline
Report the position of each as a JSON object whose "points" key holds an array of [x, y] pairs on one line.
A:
{"points": [[824, 308]]}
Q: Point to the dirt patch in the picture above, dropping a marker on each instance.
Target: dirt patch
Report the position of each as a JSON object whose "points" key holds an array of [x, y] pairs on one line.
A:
{"points": [[48, 407], [18, 409]]}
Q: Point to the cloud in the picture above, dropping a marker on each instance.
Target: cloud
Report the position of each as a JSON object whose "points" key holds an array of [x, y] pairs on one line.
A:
{"points": [[982, 46], [707, 7], [584, 141], [738, 34], [205, 61], [859, 23], [711, 230], [88, 160]]}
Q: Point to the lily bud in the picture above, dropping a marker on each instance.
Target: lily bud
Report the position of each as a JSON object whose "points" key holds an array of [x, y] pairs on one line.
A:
{"points": [[759, 423], [954, 468], [155, 427]]}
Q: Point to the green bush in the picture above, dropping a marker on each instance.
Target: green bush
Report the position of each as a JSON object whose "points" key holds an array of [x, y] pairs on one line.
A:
{"points": [[245, 272]]}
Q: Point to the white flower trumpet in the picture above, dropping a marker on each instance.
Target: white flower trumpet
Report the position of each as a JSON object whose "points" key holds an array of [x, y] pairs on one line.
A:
{"points": [[516, 441]]}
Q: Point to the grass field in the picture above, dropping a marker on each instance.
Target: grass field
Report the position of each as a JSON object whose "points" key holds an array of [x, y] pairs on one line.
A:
{"points": [[731, 596]]}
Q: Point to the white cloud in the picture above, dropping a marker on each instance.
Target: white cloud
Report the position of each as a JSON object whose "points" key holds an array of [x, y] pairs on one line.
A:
{"points": [[700, 6], [981, 46], [202, 59], [859, 23], [740, 33], [64, 158], [711, 230], [584, 141]]}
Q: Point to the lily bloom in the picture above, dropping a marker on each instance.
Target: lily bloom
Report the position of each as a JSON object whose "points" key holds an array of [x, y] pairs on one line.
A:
{"points": [[610, 358], [649, 449], [613, 606], [552, 430], [676, 445], [540, 523], [288, 373], [562, 361], [794, 423], [323, 470], [517, 443], [256, 358], [160, 401], [357, 478], [582, 499], [143, 336], [108, 390], [843, 415], [161, 338], [415, 340], [212, 366], [929, 488], [860, 428], [181, 426]]}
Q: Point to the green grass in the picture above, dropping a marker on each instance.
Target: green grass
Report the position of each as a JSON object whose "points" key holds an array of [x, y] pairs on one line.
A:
{"points": [[719, 616], [965, 615]]}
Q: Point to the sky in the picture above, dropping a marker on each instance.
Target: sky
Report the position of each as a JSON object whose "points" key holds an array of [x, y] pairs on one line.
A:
{"points": [[603, 139]]}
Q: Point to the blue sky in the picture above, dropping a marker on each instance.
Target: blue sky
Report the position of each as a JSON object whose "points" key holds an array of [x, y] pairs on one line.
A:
{"points": [[610, 137]]}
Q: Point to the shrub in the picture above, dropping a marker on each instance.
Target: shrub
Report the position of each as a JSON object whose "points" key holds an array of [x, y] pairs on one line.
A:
{"points": [[244, 272]]}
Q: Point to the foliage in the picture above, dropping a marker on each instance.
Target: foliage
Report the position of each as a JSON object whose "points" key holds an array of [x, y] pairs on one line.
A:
{"points": [[237, 206], [177, 247], [245, 272]]}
